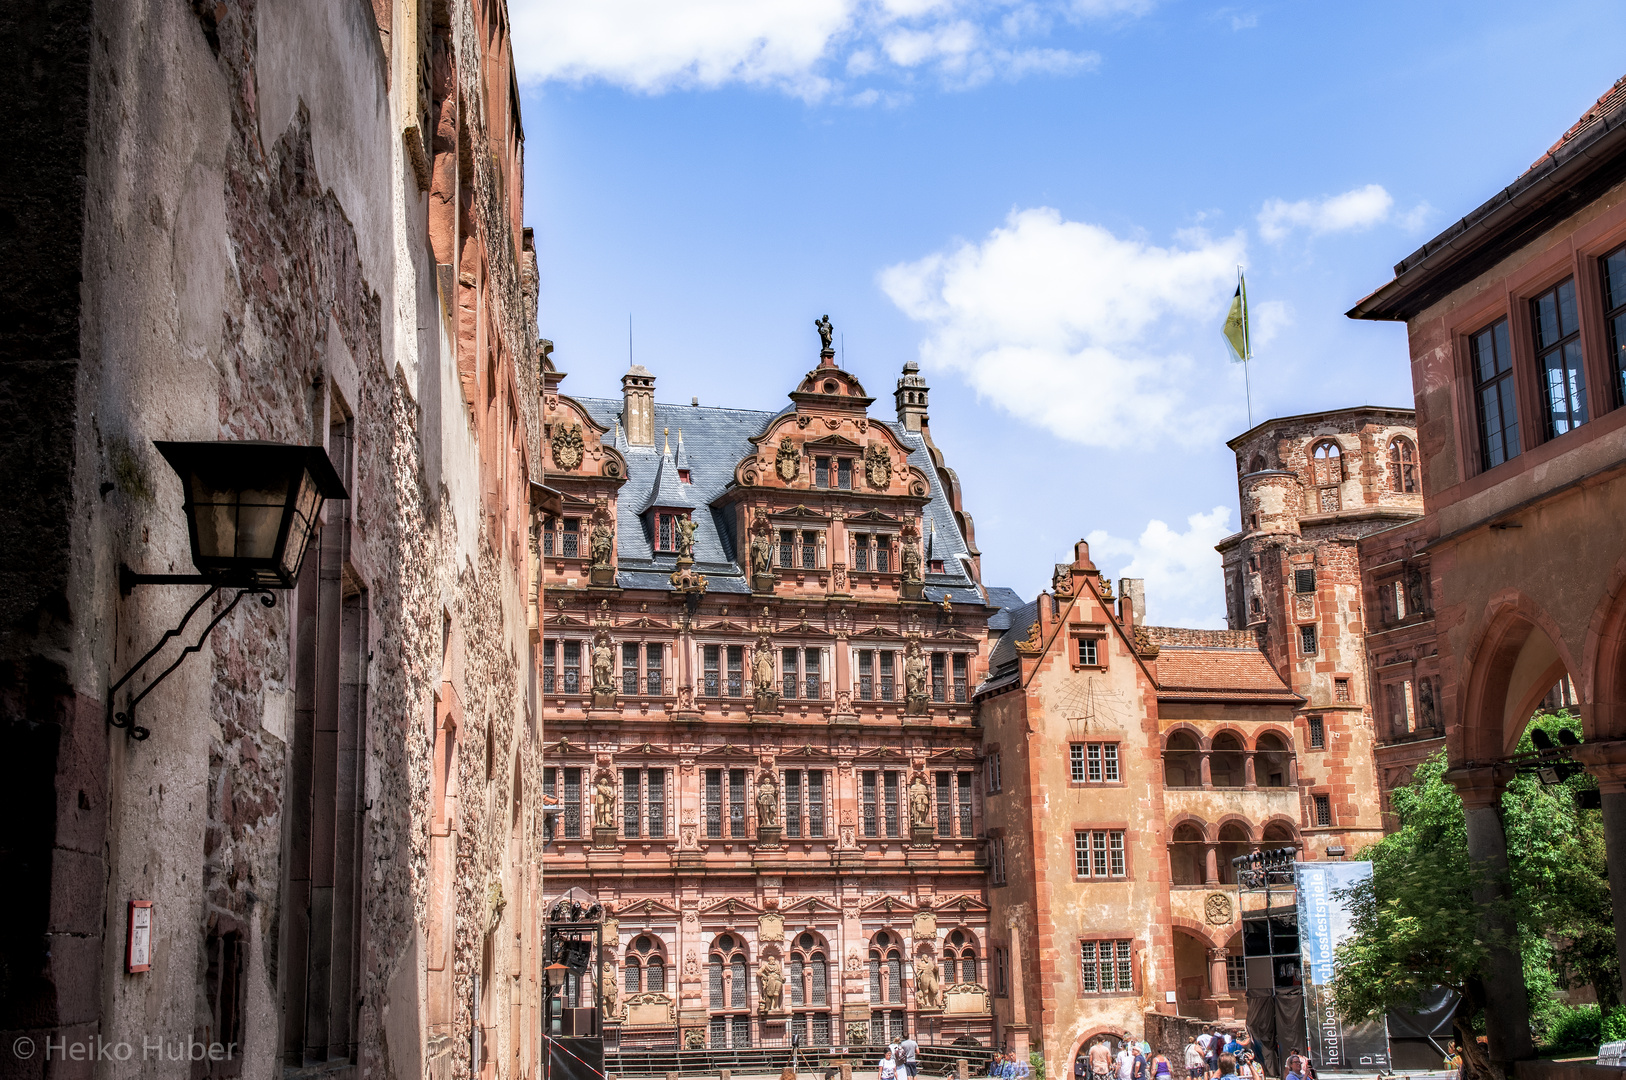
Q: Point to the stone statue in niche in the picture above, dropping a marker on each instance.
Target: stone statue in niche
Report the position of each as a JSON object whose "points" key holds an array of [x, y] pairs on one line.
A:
{"points": [[920, 802], [914, 678], [608, 991], [928, 984], [788, 461], [911, 563], [1414, 590], [1426, 715], [604, 801], [773, 985], [761, 555], [767, 803], [827, 334], [685, 537], [601, 544], [762, 666], [603, 666]]}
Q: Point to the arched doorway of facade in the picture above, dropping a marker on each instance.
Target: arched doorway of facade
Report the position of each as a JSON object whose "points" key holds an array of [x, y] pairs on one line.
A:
{"points": [[1195, 958]]}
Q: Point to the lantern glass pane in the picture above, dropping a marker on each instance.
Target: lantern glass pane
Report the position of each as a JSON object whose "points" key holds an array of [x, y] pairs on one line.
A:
{"points": [[306, 506], [238, 523]]}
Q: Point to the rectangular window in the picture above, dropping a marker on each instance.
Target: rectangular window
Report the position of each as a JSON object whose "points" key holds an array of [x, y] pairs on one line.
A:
{"points": [[1099, 854], [866, 675], [1098, 846], [810, 673], [1323, 810], [570, 801], [821, 472], [710, 677], [714, 803], [1340, 689], [653, 655], [1081, 854], [810, 551], [1236, 977], [1304, 581], [1109, 762], [631, 803], [793, 804], [887, 683], [890, 787], [1492, 358], [870, 820], [945, 804], [1093, 769], [996, 860], [844, 472], [965, 803], [1400, 600], [1307, 642], [787, 672], [736, 803], [1075, 754], [860, 551], [664, 542], [573, 667], [1318, 733], [1089, 651], [736, 670], [549, 672], [1613, 266], [549, 528], [572, 537], [1094, 763], [657, 804], [815, 803], [993, 773], [959, 678], [1106, 967], [787, 548], [1558, 358], [939, 677], [629, 668], [882, 551]]}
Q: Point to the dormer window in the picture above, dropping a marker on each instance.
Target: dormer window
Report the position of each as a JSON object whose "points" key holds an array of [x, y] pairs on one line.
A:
{"points": [[936, 566], [683, 476], [666, 531]]}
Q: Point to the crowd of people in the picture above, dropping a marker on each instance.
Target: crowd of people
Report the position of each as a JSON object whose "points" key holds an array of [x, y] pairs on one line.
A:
{"points": [[1209, 1055]]}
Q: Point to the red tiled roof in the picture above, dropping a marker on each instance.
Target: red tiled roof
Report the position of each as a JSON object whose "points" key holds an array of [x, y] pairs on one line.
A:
{"points": [[1214, 673], [1613, 99]]}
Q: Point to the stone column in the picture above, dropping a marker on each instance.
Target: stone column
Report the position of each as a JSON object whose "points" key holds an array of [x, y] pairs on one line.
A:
{"points": [[1211, 864], [1018, 1027], [1219, 985], [1607, 762], [1507, 1015]]}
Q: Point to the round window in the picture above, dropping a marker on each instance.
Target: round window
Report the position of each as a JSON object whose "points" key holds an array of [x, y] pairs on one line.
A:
{"points": [[829, 386]]}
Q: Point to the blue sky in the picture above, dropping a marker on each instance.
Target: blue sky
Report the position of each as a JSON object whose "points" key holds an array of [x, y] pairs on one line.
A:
{"points": [[1045, 204]]}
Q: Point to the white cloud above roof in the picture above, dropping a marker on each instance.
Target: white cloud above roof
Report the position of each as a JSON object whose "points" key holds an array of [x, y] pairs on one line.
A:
{"points": [[1182, 570], [1065, 325], [1358, 208]]}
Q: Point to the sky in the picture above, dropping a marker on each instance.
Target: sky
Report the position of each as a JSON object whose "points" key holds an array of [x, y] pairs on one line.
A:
{"points": [[1045, 204]]}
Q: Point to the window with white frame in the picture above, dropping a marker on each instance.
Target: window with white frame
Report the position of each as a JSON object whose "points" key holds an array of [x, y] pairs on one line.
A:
{"points": [[1099, 854], [1094, 763]]}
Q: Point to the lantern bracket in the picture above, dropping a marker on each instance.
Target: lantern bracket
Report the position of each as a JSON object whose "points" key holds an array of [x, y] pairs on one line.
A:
{"points": [[129, 579], [126, 719]]}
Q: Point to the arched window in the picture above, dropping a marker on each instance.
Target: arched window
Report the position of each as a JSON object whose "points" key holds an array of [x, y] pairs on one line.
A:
{"points": [[1271, 759], [1402, 466], [1182, 761], [731, 990], [1233, 841], [885, 970], [1257, 464], [1187, 852], [644, 959], [1327, 468], [959, 959], [1225, 761]]}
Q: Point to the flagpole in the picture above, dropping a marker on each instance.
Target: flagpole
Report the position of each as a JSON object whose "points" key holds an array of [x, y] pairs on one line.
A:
{"points": [[1247, 344]]}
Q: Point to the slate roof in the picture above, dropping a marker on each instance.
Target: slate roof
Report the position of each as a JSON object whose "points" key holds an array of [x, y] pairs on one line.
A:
{"points": [[711, 442], [1214, 673]]}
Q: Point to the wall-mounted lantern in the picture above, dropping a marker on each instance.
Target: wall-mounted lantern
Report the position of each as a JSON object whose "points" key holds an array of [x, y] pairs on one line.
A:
{"points": [[251, 510]]}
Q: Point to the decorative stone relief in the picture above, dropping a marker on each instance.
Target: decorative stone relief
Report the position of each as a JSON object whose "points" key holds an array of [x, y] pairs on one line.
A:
{"points": [[877, 465], [1218, 909], [788, 461], [770, 927], [567, 446], [925, 926]]}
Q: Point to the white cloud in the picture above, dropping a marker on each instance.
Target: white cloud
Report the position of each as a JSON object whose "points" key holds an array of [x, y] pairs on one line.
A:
{"points": [[1360, 208], [1182, 570], [1067, 326], [801, 47], [1266, 320]]}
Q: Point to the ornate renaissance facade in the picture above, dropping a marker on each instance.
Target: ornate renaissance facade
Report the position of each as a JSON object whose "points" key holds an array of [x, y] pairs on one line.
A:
{"points": [[761, 636]]}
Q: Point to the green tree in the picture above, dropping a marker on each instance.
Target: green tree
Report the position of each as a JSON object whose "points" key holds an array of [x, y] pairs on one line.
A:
{"points": [[1415, 923]]}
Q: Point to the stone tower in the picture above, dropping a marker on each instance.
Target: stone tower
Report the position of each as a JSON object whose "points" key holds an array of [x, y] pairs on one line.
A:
{"points": [[638, 406], [911, 398]]}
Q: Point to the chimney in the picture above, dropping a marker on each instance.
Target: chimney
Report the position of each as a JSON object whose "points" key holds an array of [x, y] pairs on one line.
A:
{"points": [[638, 406], [911, 398], [1132, 595]]}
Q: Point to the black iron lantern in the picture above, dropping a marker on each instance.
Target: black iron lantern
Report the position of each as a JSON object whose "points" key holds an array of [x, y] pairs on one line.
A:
{"points": [[251, 507]]}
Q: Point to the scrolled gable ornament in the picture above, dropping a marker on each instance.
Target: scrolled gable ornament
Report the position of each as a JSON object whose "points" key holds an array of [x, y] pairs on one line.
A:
{"points": [[877, 465], [568, 446], [787, 461]]}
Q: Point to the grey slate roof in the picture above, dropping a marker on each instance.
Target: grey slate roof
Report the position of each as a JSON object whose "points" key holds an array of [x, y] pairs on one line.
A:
{"points": [[712, 441], [1004, 650]]}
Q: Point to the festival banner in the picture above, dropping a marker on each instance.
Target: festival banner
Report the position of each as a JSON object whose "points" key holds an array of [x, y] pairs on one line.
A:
{"points": [[1323, 926]]}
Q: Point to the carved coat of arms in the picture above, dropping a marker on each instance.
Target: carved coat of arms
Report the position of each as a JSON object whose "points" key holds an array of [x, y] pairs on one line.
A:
{"points": [[877, 465], [788, 462], [567, 446]]}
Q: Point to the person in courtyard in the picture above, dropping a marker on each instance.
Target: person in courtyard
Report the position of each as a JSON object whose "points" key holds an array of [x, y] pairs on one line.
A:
{"points": [[911, 1051], [889, 1064], [1125, 1061], [1100, 1059], [1196, 1067], [1160, 1067], [1227, 1065]]}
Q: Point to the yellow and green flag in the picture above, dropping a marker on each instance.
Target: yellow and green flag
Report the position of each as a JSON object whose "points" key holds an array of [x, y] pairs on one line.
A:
{"points": [[1236, 322]]}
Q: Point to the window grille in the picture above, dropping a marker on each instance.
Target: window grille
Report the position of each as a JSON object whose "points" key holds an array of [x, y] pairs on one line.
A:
{"points": [[810, 673], [736, 803], [653, 656], [1323, 810], [571, 538], [548, 667], [1318, 733], [573, 666], [945, 805], [736, 670], [815, 803], [714, 803], [890, 789], [571, 801], [939, 677], [629, 669], [1307, 640], [793, 804], [886, 676], [959, 678], [709, 663], [965, 803], [657, 804], [1304, 580], [869, 805], [631, 802]]}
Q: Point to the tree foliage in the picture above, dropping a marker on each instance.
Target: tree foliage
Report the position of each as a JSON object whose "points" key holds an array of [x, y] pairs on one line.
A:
{"points": [[1415, 923]]}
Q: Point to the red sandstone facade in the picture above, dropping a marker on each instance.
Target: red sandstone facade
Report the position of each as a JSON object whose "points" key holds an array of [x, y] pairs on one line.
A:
{"points": [[761, 636]]}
